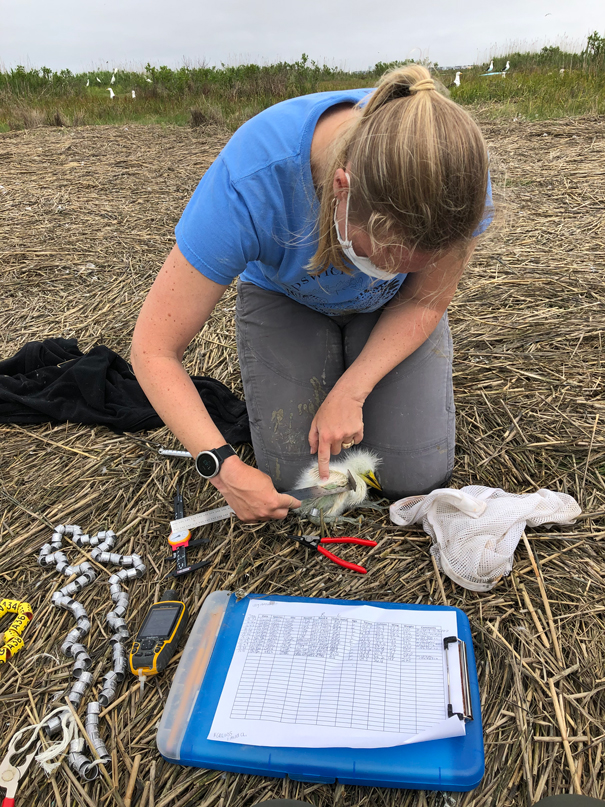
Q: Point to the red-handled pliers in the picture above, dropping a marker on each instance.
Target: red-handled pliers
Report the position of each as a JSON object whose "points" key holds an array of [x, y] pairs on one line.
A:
{"points": [[315, 542], [11, 774]]}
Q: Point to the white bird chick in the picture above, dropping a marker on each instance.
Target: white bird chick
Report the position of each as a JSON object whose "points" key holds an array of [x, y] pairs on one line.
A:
{"points": [[111, 92], [134, 95], [361, 463]]}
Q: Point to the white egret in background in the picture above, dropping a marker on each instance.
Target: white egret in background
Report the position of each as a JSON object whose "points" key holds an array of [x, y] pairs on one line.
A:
{"points": [[98, 79], [111, 92], [87, 82], [134, 94], [149, 80], [112, 80]]}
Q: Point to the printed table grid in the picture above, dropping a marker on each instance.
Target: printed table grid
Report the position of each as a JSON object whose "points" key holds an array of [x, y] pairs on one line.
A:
{"points": [[343, 672]]}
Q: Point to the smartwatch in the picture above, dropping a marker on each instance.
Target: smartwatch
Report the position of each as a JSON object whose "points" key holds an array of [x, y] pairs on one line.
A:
{"points": [[208, 463]]}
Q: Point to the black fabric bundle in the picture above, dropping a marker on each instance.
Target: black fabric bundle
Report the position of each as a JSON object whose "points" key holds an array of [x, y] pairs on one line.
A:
{"points": [[53, 381]]}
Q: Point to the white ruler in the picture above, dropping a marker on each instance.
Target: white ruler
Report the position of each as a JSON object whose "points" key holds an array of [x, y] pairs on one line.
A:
{"points": [[199, 519]]}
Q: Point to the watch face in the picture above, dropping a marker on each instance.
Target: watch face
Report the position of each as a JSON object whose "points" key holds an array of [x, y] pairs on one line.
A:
{"points": [[207, 464]]}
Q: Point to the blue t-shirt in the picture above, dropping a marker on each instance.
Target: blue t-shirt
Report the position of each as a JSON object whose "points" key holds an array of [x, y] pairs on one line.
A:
{"points": [[254, 213]]}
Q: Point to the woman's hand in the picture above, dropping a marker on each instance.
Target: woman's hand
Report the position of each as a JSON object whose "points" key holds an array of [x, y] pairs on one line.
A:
{"points": [[338, 421], [250, 492]]}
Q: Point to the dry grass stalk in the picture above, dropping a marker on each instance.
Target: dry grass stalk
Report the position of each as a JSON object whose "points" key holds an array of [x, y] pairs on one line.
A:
{"points": [[532, 611], [564, 737], [132, 780], [86, 217], [551, 623]]}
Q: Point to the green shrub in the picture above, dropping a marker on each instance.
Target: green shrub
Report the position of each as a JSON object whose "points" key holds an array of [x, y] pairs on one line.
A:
{"points": [[230, 94]]}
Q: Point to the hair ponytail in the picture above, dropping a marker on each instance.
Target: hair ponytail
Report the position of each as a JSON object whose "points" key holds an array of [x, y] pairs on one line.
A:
{"points": [[419, 169], [401, 83]]}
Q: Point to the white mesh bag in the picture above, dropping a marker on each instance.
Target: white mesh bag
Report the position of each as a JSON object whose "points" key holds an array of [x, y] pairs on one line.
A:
{"points": [[476, 530]]}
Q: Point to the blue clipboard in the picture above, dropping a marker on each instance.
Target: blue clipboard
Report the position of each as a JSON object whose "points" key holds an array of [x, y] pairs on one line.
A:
{"points": [[454, 764]]}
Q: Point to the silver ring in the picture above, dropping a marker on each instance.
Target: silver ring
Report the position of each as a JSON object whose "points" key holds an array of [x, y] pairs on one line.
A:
{"points": [[350, 444]]}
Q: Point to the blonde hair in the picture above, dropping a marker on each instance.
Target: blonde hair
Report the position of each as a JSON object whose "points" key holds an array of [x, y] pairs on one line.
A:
{"points": [[418, 166]]}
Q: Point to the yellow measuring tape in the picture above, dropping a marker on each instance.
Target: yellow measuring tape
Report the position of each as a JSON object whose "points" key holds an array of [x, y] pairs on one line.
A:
{"points": [[13, 641]]}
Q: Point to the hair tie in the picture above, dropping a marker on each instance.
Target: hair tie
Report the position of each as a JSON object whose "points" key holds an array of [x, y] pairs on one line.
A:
{"points": [[425, 84]]}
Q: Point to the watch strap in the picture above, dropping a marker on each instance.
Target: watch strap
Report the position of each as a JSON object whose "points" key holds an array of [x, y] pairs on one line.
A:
{"points": [[223, 452]]}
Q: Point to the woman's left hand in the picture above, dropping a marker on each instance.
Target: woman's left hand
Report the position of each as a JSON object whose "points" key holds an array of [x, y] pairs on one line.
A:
{"points": [[338, 420]]}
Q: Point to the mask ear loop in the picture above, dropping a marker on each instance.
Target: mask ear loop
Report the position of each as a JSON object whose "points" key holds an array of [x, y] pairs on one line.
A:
{"points": [[345, 243], [348, 176]]}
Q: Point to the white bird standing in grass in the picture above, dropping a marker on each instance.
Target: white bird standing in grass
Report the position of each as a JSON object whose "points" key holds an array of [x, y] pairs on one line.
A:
{"points": [[491, 72], [111, 92], [98, 79], [112, 80], [134, 95], [87, 82], [361, 463], [457, 79]]}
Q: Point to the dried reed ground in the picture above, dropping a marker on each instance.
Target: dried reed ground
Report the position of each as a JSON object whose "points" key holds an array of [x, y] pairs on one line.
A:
{"points": [[86, 218]]}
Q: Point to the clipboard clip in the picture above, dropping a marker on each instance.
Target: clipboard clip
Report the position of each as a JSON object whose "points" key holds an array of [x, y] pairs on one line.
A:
{"points": [[461, 667]]}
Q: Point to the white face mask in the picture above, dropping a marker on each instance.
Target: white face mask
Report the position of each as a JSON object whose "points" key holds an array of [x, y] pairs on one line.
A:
{"points": [[364, 265]]}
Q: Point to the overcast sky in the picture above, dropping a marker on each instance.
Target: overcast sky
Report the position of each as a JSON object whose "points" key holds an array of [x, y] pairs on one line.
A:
{"points": [[353, 35]]}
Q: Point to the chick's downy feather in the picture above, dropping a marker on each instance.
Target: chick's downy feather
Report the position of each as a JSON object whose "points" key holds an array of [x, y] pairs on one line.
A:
{"points": [[361, 463]]}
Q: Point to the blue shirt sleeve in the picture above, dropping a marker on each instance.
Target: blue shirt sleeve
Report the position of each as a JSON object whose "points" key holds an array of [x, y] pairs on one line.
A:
{"points": [[216, 233], [488, 212]]}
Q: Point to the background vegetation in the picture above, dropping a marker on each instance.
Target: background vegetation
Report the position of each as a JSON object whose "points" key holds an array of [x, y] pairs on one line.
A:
{"points": [[550, 83]]}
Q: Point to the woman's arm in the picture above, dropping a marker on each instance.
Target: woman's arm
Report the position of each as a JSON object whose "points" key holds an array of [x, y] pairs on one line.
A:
{"points": [[405, 323], [176, 308]]}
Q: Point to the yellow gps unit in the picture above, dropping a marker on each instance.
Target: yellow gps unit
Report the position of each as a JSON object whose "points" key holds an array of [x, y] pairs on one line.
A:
{"points": [[159, 636]]}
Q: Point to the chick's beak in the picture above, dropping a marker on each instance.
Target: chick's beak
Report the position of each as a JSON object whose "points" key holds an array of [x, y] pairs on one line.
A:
{"points": [[371, 480]]}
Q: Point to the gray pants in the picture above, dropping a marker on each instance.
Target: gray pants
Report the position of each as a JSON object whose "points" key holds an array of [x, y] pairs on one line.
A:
{"points": [[291, 357]]}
